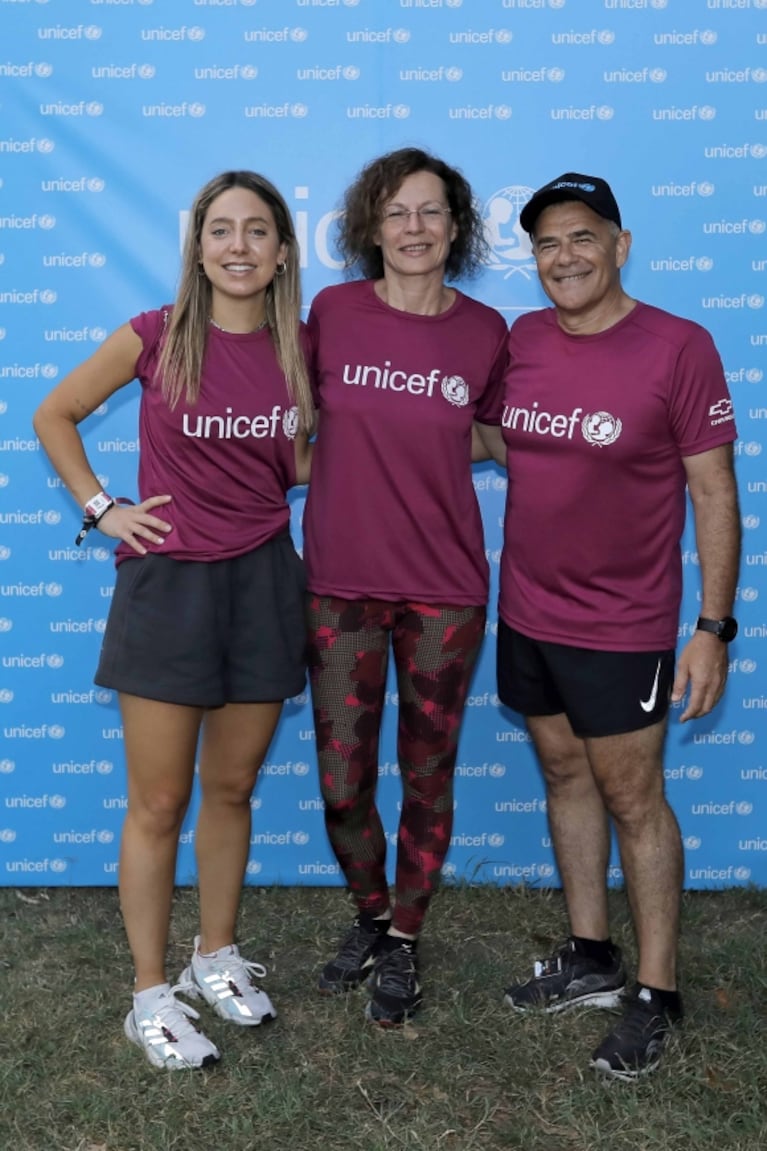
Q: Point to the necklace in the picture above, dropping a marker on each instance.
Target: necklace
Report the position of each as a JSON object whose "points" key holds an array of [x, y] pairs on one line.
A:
{"points": [[228, 331]]}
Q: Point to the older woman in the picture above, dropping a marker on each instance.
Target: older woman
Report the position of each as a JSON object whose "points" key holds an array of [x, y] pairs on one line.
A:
{"points": [[404, 365]]}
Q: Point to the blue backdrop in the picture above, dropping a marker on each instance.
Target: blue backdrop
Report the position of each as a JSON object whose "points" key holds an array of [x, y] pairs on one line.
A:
{"points": [[114, 112]]}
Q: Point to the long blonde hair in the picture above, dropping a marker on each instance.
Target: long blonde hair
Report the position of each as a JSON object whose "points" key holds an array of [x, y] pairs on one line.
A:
{"points": [[180, 362]]}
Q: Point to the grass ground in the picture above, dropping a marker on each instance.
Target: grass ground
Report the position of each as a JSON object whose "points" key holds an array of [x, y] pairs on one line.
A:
{"points": [[467, 1075]]}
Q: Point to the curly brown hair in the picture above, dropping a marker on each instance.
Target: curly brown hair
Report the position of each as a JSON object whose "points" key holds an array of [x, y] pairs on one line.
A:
{"points": [[378, 181]]}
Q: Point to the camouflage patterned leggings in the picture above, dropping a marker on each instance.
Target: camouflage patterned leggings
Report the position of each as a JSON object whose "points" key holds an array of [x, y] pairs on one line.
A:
{"points": [[435, 649]]}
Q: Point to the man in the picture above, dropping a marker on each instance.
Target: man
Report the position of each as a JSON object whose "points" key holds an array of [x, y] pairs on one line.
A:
{"points": [[612, 409]]}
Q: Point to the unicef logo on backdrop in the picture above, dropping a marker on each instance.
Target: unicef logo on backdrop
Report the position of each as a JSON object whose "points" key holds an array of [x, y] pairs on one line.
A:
{"points": [[509, 243]]}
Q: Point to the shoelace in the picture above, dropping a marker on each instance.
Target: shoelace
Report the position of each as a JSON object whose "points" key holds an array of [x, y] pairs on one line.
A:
{"points": [[175, 1014], [640, 1022], [395, 972], [238, 972], [356, 942]]}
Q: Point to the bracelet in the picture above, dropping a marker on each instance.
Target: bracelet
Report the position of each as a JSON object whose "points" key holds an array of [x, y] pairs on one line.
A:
{"points": [[94, 510]]}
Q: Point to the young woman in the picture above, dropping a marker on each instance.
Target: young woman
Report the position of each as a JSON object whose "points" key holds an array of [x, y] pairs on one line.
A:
{"points": [[393, 542], [205, 638]]}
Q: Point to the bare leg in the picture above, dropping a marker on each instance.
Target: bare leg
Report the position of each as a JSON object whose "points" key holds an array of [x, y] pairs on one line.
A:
{"points": [[629, 772], [160, 742], [578, 823], [235, 741]]}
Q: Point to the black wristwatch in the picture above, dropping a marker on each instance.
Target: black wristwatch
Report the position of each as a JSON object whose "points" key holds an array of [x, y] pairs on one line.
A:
{"points": [[724, 629]]}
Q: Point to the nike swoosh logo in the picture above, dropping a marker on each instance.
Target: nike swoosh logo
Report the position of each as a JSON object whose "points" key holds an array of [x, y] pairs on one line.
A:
{"points": [[649, 704]]}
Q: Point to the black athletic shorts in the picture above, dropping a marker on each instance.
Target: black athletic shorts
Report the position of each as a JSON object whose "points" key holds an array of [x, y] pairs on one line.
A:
{"points": [[600, 692], [206, 634]]}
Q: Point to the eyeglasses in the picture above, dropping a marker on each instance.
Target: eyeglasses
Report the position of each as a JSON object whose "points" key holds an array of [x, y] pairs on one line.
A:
{"points": [[399, 217]]}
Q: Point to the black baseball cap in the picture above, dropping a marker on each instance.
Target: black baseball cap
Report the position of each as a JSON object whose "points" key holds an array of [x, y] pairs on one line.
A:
{"points": [[590, 190]]}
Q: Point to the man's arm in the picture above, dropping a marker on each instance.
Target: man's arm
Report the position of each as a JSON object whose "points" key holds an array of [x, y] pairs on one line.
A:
{"points": [[702, 666]]}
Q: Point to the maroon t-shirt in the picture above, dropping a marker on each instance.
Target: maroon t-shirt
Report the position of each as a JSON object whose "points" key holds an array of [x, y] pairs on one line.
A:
{"points": [[597, 428], [391, 512], [228, 460]]}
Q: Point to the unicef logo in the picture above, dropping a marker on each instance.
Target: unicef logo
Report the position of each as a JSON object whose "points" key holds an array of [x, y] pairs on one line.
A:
{"points": [[746, 737], [290, 423], [300, 838], [455, 390], [756, 227], [400, 36], [58, 865], [253, 868], [496, 840], [7, 766], [298, 111], [742, 873], [707, 36], [95, 184], [704, 263], [56, 731], [545, 870], [694, 772], [747, 666], [6, 695], [4, 480], [248, 72], [48, 296], [49, 371], [53, 589], [100, 625], [54, 660], [146, 71], [47, 222], [298, 35], [754, 375], [401, 111], [300, 768], [102, 695], [7, 835], [43, 70], [52, 518], [497, 770], [92, 32], [706, 189], [105, 767], [351, 72], [744, 807], [755, 301], [692, 842], [57, 801], [509, 243], [255, 803], [196, 111], [601, 428], [707, 112], [5, 624], [449, 871], [105, 836], [196, 33], [749, 594], [94, 108], [752, 448]]}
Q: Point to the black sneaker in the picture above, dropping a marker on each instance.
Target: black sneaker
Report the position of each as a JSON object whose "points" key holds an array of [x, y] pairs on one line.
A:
{"points": [[635, 1045], [355, 958], [569, 979], [396, 992]]}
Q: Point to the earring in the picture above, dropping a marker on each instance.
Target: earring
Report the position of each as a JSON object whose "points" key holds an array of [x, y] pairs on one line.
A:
{"points": [[281, 269]]}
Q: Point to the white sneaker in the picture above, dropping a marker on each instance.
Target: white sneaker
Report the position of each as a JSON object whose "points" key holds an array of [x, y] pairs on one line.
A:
{"points": [[223, 980], [159, 1024]]}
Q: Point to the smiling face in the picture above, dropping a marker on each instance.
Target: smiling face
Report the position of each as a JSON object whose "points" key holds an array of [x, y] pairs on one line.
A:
{"points": [[240, 246], [416, 228], [579, 257]]}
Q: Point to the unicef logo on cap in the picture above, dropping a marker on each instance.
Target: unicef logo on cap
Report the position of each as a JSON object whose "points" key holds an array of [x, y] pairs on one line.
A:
{"points": [[509, 243]]}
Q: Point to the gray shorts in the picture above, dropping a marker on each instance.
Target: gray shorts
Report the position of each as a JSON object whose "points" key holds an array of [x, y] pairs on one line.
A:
{"points": [[206, 634]]}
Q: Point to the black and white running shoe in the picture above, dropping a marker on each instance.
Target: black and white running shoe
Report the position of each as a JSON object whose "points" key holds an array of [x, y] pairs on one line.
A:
{"points": [[569, 979]]}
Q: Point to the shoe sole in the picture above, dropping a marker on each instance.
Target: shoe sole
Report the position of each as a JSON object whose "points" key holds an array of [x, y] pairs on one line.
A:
{"points": [[624, 1074], [389, 1023], [604, 999]]}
